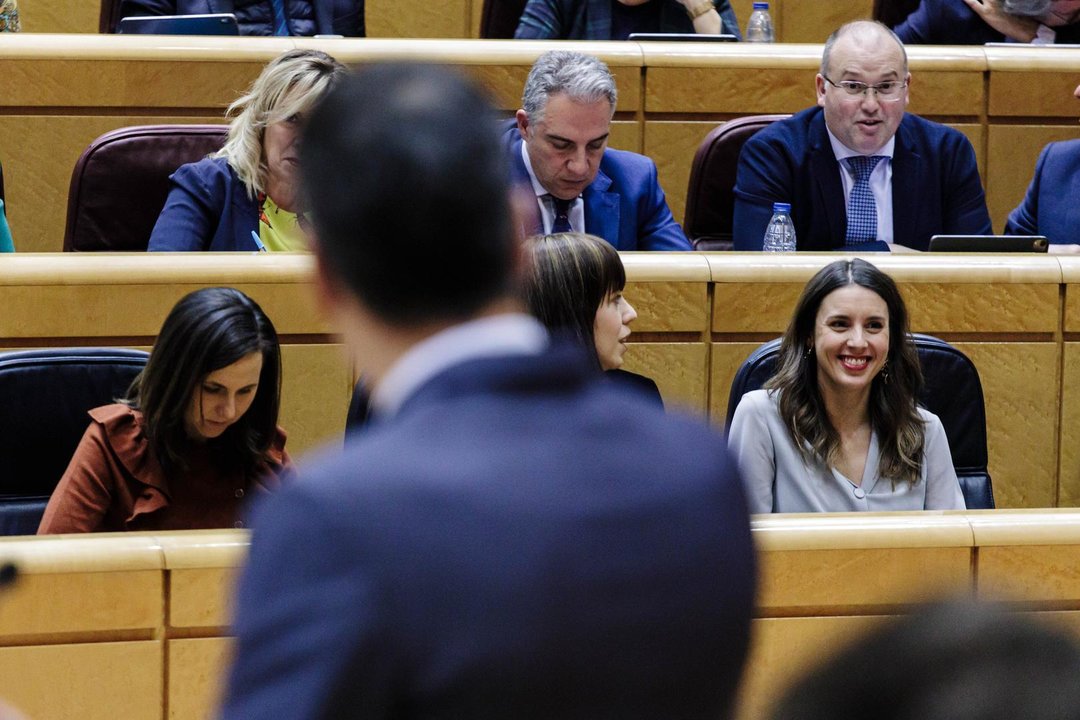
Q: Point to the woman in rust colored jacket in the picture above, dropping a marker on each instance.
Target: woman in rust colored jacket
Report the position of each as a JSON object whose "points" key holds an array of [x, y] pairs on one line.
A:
{"points": [[196, 434]]}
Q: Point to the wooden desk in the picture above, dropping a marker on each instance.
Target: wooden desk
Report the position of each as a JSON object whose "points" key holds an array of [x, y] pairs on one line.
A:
{"points": [[135, 625]]}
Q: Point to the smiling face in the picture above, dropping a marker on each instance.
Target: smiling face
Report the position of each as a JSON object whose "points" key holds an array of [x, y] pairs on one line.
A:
{"points": [[611, 328], [223, 397], [566, 146], [851, 339], [863, 122]]}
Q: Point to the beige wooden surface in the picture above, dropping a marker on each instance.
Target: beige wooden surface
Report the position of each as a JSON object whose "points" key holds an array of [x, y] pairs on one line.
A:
{"points": [[824, 580]]}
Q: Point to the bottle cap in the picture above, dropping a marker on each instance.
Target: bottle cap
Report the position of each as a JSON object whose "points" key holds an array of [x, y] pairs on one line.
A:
{"points": [[781, 207], [761, 6]]}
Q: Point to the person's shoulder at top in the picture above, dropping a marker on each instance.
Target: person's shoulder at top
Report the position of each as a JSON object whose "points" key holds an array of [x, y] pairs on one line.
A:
{"points": [[208, 170], [785, 130], [928, 131], [626, 161]]}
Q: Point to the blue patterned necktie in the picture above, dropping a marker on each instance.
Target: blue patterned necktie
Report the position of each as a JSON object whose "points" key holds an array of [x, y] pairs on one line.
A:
{"points": [[281, 27], [861, 208], [562, 215]]}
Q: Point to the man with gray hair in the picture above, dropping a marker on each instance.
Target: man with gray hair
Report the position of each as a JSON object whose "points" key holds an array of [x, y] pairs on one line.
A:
{"points": [[975, 22], [557, 146], [858, 171]]}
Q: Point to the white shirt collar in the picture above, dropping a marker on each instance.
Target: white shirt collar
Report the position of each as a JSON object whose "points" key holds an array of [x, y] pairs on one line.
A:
{"points": [[507, 334], [841, 151], [539, 189]]}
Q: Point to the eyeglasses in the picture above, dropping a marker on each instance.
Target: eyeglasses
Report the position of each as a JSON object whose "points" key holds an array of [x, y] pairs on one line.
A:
{"points": [[885, 92]]}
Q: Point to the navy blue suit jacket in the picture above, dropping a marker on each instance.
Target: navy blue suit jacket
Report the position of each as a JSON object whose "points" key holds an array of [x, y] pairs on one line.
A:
{"points": [[255, 17], [1050, 206], [521, 540], [624, 204], [935, 184], [952, 22], [207, 208]]}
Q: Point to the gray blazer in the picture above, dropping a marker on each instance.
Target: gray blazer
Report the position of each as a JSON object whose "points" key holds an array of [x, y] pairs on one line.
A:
{"points": [[778, 479]]}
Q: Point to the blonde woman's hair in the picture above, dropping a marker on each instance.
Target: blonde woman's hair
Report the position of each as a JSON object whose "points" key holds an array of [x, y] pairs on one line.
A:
{"points": [[290, 85]]}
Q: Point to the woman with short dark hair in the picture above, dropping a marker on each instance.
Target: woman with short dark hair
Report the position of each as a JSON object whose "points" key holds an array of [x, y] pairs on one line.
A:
{"points": [[196, 433], [837, 426], [574, 286]]}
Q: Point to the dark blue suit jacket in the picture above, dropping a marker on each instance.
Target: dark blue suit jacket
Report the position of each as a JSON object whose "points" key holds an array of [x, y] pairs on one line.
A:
{"points": [[208, 208], [952, 22], [255, 17], [935, 184], [521, 540], [624, 204], [1050, 207]]}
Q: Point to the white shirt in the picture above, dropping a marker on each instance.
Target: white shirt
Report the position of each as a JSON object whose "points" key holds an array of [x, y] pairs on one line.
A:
{"points": [[547, 204], [508, 334], [880, 182]]}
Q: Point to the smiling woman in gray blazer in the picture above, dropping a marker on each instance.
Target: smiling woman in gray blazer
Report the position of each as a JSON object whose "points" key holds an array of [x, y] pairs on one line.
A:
{"points": [[837, 427]]}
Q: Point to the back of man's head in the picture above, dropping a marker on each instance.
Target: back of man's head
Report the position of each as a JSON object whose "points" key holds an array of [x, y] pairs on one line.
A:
{"points": [[408, 190]]}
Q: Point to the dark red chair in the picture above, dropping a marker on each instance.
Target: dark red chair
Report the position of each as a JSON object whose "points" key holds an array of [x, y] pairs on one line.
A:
{"points": [[109, 17], [500, 18], [120, 183], [710, 195]]}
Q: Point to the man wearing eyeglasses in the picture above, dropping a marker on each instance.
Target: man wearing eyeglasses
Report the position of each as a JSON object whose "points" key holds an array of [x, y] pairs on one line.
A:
{"points": [[860, 173]]}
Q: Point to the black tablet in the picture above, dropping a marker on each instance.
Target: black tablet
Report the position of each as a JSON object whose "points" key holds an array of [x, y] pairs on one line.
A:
{"points": [[989, 243], [211, 24], [681, 37]]}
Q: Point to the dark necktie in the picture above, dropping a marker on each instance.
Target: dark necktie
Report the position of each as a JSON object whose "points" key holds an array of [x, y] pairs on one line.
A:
{"points": [[562, 215], [861, 208], [281, 27]]}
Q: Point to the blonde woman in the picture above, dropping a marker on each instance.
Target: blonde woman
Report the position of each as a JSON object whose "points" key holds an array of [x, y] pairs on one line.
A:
{"points": [[246, 196]]}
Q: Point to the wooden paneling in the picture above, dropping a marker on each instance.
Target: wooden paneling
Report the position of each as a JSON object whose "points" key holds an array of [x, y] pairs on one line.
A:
{"points": [[413, 19], [1069, 466], [1020, 384], [677, 368], [808, 22], [1043, 573], [1012, 152], [316, 385], [197, 672], [672, 145], [95, 681], [726, 359], [782, 649], [668, 306]]}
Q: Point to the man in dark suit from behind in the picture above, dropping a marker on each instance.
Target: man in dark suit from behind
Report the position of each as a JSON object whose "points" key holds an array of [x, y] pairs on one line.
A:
{"points": [[510, 537]]}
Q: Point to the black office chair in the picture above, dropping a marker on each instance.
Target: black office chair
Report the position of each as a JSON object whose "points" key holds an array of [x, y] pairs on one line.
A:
{"points": [[951, 390], [46, 394]]}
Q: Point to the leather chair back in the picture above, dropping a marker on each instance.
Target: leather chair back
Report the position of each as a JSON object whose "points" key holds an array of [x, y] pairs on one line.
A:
{"points": [[46, 396], [120, 183], [109, 17], [710, 195], [893, 12], [951, 390], [500, 18]]}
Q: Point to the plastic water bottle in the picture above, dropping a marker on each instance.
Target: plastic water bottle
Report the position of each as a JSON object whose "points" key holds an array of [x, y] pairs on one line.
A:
{"points": [[780, 232], [760, 28]]}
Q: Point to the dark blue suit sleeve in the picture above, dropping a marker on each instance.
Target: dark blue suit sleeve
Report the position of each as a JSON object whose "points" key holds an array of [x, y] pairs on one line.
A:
{"points": [[304, 614], [915, 30], [760, 181], [191, 214], [134, 8], [541, 20], [657, 229], [965, 202], [1024, 219]]}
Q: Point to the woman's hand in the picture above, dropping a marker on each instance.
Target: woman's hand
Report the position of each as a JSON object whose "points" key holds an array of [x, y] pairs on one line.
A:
{"points": [[1014, 27], [706, 19]]}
